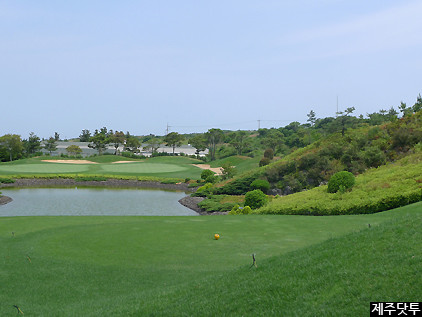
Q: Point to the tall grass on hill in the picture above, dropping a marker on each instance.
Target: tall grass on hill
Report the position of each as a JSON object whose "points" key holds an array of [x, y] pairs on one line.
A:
{"points": [[386, 187]]}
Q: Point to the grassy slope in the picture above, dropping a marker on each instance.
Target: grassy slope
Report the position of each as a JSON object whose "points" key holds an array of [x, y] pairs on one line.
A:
{"points": [[171, 265], [242, 163], [339, 277], [374, 186], [164, 167]]}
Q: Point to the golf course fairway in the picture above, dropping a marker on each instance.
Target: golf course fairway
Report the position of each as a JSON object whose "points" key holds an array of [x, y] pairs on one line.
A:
{"points": [[100, 266]]}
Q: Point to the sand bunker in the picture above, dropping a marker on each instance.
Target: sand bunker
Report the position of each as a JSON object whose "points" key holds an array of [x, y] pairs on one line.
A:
{"points": [[70, 161], [120, 162], [217, 170]]}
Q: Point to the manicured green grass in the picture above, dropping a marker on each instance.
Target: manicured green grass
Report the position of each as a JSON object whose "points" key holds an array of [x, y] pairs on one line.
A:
{"points": [[338, 277], [241, 163], [160, 167], [92, 266], [42, 168]]}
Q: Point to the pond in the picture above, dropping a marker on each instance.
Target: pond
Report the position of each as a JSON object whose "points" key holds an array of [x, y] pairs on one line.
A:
{"points": [[93, 202]]}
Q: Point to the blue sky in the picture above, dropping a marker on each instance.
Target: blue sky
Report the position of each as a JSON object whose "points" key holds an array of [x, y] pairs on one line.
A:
{"points": [[138, 65]]}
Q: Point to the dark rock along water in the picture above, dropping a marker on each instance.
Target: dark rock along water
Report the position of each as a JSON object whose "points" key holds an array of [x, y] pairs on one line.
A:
{"points": [[93, 202]]}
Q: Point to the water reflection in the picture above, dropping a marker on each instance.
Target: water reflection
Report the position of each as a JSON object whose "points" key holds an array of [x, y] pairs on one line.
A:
{"points": [[93, 202]]}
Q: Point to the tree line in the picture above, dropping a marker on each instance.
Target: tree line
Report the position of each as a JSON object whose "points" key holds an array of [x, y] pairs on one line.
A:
{"points": [[220, 144]]}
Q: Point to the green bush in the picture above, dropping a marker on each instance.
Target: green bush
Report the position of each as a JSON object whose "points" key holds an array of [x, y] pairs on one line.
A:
{"points": [[344, 179], [7, 180], [269, 153], [213, 204], [264, 161], [204, 191], [261, 184], [212, 179], [236, 210], [255, 199], [238, 186], [206, 173]]}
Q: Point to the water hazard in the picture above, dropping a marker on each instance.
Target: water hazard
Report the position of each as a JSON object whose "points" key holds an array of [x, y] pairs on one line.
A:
{"points": [[93, 202]]}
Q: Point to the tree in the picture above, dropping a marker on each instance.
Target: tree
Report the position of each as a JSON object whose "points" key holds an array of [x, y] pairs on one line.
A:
{"points": [[406, 111], [73, 150], [228, 170], [214, 137], [12, 144], [99, 141], [418, 105], [392, 114], [344, 119], [117, 138], [85, 136], [132, 143], [311, 118], [153, 144], [239, 141], [199, 142], [50, 145], [33, 144], [173, 139], [269, 153], [56, 136], [274, 140]]}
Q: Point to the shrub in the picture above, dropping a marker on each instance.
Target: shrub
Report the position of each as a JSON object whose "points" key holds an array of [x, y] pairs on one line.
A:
{"points": [[238, 186], [374, 157], [261, 184], [344, 178], [194, 184], [187, 179], [204, 191], [206, 173], [255, 199], [264, 161], [213, 204], [228, 170], [269, 153], [7, 180], [212, 179], [236, 210]]}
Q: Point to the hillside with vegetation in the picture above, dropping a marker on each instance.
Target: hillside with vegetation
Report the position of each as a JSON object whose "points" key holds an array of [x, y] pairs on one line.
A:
{"points": [[384, 149]]}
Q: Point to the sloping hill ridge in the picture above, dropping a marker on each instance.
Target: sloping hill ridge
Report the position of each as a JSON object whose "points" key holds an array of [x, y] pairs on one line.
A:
{"points": [[355, 151]]}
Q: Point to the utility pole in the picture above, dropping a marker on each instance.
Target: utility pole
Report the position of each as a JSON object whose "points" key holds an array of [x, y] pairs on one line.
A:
{"points": [[337, 107], [167, 129], [259, 124]]}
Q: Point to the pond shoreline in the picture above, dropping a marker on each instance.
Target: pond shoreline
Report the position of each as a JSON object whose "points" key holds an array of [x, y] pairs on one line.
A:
{"points": [[192, 203], [112, 183]]}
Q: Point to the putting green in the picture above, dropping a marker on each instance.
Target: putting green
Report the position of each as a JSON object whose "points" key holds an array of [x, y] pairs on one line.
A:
{"points": [[45, 168], [142, 168]]}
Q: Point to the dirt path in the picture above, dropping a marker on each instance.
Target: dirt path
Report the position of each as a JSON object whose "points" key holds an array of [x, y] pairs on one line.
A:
{"points": [[216, 170]]}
